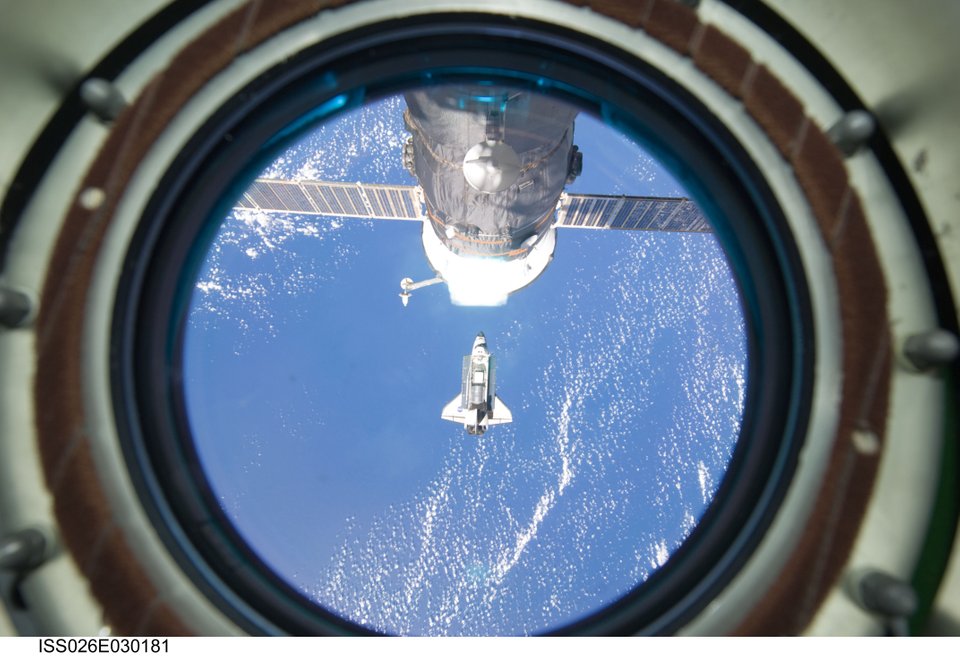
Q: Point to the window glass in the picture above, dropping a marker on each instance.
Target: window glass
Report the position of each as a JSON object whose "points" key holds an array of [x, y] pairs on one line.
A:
{"points": [[315, 382]]}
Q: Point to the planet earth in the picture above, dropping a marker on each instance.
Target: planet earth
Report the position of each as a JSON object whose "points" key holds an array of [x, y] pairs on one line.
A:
{"points": [[314, 400]]}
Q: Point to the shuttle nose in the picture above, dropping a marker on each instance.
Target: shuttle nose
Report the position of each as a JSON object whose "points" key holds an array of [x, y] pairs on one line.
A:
{"points": [[479, 341]]}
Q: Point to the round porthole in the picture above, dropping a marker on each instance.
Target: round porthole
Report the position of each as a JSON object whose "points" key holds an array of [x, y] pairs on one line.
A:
{"points": [[627, 251], [609, 471]]}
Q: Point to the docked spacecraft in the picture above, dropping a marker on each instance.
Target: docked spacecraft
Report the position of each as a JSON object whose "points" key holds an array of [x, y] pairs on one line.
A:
{"points": [[491, 163]]}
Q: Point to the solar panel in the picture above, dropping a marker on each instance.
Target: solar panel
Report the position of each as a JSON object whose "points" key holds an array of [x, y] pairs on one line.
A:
{"points": [[401, 202], [341, 199], [630, 213]]}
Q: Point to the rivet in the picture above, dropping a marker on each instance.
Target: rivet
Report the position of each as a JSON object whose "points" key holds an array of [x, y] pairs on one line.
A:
{"points": [[23, 550], [102, 98], [866, 442], [883, 594], [930, 349], [15, 308], [852, 131], [92, 198]]}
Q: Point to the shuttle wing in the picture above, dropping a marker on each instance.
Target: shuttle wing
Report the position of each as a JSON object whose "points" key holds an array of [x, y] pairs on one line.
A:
{"points": [[499, 413], [453, 411]]}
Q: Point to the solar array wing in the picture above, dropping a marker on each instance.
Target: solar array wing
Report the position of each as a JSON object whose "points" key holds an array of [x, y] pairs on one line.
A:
{"points": [[344, 199], [630, 213], [404, 202]]}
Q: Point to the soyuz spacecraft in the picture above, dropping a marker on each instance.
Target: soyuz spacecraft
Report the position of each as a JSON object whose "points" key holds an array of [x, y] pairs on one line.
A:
{"points": [[477, 406], [492, 163]]}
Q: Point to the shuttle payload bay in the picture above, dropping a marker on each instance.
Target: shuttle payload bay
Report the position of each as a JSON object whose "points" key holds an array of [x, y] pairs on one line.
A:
{"points": [[477, 406]]}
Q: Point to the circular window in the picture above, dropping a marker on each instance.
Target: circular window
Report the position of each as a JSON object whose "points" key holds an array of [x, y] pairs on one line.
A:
{"points": [[316, 393], [615, 330], [551, 317]]}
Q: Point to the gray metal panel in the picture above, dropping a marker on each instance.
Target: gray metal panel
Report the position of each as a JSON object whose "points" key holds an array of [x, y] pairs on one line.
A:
{"points": [[465, 383], [492, 380]]}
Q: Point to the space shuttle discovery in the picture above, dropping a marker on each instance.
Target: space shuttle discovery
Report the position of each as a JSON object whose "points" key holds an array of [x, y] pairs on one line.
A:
{"points": [[477, 406]]}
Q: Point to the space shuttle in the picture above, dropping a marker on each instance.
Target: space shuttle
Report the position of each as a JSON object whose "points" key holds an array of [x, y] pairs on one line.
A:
{"points": [[477, 406]]}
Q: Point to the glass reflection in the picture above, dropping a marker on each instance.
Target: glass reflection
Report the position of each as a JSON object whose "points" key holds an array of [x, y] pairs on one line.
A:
{"points": [[315, 395]]}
